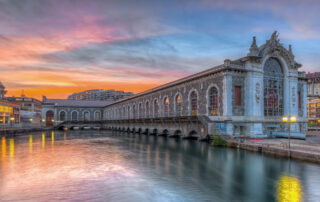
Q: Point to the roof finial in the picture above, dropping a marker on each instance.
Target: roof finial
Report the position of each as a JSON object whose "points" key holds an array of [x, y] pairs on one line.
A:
{"points": [[290, 48], [254, 50]]}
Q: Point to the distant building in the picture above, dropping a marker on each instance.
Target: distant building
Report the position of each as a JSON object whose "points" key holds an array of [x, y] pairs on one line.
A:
{"points": [[100, 94], [30, 110], [9, 114], [313, 84], [313, 107], [2, 91], [56, 111]]}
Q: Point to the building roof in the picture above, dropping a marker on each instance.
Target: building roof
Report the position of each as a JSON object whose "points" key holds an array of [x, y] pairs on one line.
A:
{"points": [[76, 103]]}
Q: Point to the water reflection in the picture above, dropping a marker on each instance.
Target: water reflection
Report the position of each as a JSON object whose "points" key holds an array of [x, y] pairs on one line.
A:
{"points": [[100, 166], [3, 147], [289, 189], [11, 146], [43, 140], [30, 143]]}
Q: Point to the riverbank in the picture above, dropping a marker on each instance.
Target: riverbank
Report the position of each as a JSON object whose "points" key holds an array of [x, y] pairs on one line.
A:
{"points": [[13, 131], [306, 150]]}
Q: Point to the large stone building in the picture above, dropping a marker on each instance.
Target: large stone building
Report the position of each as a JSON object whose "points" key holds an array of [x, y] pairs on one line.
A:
{"points": [[100, 94], [243, 97]]}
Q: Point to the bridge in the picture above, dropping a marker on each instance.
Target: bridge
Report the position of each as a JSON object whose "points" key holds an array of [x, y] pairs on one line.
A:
{"points": [[186, 127]]}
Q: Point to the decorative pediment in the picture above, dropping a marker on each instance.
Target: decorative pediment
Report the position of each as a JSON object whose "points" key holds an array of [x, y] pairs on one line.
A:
{"points": [[274, 48]]}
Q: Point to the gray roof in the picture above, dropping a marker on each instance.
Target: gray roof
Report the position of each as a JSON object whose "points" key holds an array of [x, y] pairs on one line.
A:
{"points": [[76, 103]]}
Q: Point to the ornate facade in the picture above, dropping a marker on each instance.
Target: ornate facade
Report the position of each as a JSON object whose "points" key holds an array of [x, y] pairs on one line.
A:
{"points": [[244, 97]]}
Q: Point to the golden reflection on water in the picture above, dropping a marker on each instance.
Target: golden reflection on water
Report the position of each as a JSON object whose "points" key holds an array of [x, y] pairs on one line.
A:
{"points": [[289, 189], [65, 164], [11, 147], [43, 140], [3, 147], [30, 143], [52, 138]]}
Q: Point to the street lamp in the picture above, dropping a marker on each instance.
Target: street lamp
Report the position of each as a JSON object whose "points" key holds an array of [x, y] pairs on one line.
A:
{"points": [[289, 120]]}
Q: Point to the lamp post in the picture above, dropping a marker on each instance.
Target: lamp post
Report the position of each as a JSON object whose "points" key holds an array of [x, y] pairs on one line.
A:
{"points": [[289, 120]]}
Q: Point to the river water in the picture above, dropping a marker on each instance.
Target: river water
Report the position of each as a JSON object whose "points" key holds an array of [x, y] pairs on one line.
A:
{"points": [[108, 166]]}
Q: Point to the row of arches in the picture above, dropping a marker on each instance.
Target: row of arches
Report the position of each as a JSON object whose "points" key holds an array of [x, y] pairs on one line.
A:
{"points": [[74, 116], [192, 134], [161, 107]]}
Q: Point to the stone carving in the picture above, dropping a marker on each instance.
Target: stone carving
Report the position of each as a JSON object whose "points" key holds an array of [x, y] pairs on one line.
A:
{"points": [[293, 96], [258, 92]]}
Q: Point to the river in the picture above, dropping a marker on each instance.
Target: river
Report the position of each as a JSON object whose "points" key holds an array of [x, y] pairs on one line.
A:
{"points": [[116, 167]]}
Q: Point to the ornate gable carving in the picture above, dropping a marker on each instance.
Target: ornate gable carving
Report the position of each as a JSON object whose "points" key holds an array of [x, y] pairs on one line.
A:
{"points": [[274, 48]]}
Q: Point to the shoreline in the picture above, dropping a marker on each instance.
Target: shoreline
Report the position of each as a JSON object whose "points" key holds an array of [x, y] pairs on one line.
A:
{"points": [[277, 148]]}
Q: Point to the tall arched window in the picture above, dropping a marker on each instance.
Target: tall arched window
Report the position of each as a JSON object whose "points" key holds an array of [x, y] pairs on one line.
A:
{"points": [[178, 105], [62, 116], [134, 111], [129, 112], [147, 109], [155, 108], [273, 88], [140, 110], [97, 116], [74, 116], [86, 116], [194, 103], [213, 101], [166, 106], [124, 112]]}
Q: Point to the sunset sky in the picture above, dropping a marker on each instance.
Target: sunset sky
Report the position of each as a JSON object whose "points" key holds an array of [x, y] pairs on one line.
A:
{"points": [[57, 47]]}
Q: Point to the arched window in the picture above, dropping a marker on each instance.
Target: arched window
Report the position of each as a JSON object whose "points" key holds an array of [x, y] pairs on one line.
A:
{"points": [[124, 112], [97, 116], [140, 110], [178, 105], [49, 118], [147, 109], [155, 108], [86, 116], [166, 106], [74, 116], [129, 112], [62, 116], [273, 88], [134, 111], [194, 103], [213, 101]]}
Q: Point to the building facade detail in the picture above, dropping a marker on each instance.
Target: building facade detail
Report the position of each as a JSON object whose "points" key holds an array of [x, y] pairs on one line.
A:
{"points": [[243, 97]]}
